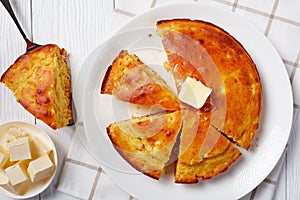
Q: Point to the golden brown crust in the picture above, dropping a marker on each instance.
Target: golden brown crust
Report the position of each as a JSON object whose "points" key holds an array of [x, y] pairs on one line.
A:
{"points": [[119, 67], [23, 64], [130, 80], [105, 88], [225, 66], [207, 168], [153, 168], [40, 80], [146, 142], [203, 152]]}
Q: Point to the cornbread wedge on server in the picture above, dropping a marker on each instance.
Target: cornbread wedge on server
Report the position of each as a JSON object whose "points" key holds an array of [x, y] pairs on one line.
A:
{"points": [[41, 82]]}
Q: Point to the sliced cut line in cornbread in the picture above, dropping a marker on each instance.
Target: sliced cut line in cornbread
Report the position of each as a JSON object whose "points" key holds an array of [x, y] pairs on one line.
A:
{"points": [[130, 80], [197, 47], [146, 142], [203, 152], [41, 82]]}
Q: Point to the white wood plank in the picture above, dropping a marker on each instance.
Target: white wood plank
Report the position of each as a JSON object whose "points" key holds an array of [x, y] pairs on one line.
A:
{"points": [[289, 177], [280, 191], [293, 157], [79, 27], [12, 46]]}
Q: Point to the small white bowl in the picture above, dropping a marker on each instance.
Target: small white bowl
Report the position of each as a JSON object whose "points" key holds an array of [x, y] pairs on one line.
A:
{"points": [[34, 188]]}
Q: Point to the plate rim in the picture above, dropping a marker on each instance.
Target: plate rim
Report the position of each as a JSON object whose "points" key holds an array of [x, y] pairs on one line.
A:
{"points": [[125, 26]]}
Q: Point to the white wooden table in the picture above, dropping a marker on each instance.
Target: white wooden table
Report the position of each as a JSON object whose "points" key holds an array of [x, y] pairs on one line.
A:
{"points": [[80, 26]]}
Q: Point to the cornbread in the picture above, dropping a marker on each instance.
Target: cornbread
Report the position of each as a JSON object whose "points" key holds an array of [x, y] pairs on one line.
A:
{"points": [[146, 142], [130, 80], [206, 52], [203, 152], [222, 112], [40, 80]]}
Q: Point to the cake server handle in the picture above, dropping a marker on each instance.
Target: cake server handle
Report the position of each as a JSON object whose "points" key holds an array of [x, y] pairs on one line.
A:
{"points": [[29, 45]]}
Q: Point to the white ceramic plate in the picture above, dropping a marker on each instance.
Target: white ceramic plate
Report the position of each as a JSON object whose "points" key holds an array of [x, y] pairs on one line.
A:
{"points": [[33, 131], [97, 111]]}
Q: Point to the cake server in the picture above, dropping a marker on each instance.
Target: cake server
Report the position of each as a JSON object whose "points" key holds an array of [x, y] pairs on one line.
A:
{"points": [[29, 44]]}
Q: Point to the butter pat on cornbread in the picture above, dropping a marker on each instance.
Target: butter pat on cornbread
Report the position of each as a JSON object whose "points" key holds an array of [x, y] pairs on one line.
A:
{"points": [[40, 168], [19, 149], [194, 93]]}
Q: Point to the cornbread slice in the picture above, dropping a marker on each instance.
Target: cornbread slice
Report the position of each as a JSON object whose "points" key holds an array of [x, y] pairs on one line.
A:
{"points": [[130, 80], [40, 80], [146, 142], [203, 152], [196, 48]]}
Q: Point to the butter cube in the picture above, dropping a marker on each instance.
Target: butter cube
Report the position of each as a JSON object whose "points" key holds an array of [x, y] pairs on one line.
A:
{"points": [[16, 174], [40, 168], [194, 93], [4, 156], [38, 147], [5, 184], [3, 159], [19, 149], [17, 132], [7, 139]]}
